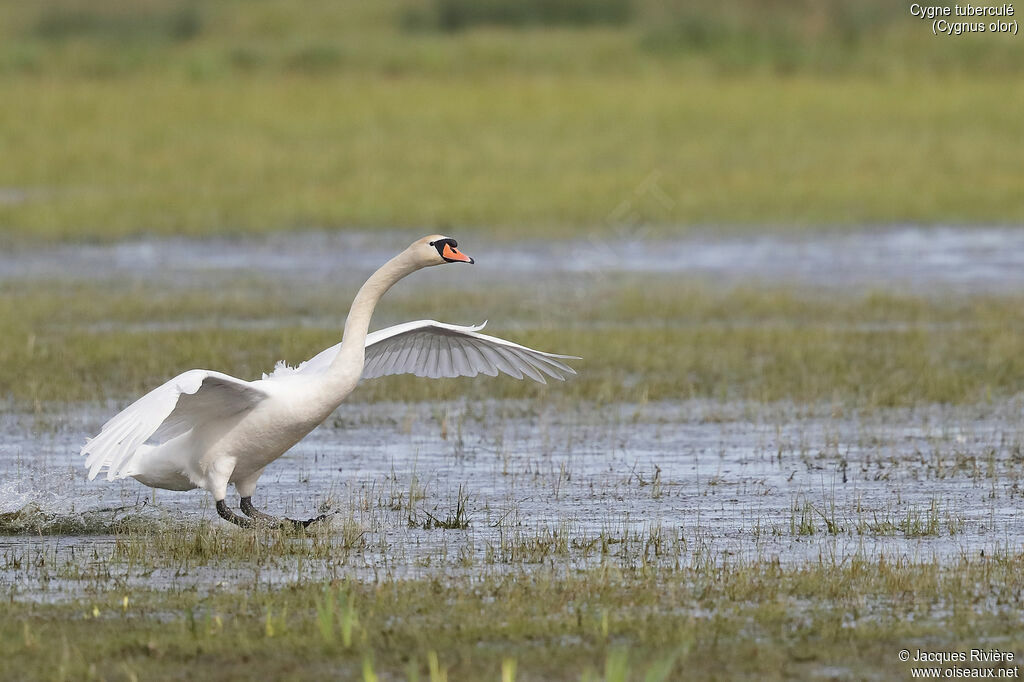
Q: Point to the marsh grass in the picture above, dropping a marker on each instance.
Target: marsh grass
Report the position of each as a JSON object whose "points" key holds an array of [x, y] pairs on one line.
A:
{"points": [[779, 622], [211, 543], [458, 519], [660, 340], [378, 541]]}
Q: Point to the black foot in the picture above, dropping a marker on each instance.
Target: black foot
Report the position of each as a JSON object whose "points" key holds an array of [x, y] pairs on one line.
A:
{"points": [[255, 513], [308, 522], [228, 515]]}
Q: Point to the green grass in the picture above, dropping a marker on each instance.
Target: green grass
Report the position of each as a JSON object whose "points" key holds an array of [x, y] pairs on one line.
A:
{"points": [[655, 340], [726, 621], [263, 119], [512, 156]]}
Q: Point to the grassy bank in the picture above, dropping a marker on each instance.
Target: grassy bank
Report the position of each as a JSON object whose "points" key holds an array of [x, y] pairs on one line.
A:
{"points": [[711, 620], [180, 119], [655, 340]]}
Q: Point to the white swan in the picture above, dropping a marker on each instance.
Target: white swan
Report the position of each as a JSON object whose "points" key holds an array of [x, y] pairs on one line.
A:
{"points": [[204, 429]]}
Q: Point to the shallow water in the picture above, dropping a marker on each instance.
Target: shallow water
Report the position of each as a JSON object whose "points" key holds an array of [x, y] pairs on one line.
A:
{"points": [[668, 483], [926, 260]]}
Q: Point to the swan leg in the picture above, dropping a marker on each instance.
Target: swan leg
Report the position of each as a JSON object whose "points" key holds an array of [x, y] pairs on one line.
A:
{"points": [[254, 513], [228, 515]]}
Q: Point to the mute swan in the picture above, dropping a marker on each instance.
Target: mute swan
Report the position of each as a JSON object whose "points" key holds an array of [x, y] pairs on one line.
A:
{"points": [[204, 429]]}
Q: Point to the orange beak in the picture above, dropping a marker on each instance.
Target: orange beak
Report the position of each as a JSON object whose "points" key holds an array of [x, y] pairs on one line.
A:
{"points": [[452, 254]]}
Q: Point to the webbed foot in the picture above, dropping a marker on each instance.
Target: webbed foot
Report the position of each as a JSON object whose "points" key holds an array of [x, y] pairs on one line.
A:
{"points": [[252, 512]]}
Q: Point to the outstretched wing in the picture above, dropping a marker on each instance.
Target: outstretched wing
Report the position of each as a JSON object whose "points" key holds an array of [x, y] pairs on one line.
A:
{"points": [[433, 349], [187, 400]]}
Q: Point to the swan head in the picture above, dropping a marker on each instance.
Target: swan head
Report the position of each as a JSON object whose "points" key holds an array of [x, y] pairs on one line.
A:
{"points": [[438, 250]]}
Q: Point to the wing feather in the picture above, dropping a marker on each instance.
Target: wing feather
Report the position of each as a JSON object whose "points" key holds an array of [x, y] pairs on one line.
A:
{"points": [[187, 400], [375, 361], [428, 348], [402, 358], [499, 359], [460, 358], [445, 367], [477, 360], [400, 355], [434, 349], [526, 366], [429, 364]]}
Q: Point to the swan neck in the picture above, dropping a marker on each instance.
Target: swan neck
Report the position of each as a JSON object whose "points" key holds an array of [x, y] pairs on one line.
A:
{"points": [[350, 357]]}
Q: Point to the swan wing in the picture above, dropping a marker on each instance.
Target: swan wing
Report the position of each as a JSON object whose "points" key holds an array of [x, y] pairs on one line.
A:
{"points": [[189, 399], [433, 349]]}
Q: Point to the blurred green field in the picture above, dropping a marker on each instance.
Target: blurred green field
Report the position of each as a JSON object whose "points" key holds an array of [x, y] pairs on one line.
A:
{"points": [[167, 117]]}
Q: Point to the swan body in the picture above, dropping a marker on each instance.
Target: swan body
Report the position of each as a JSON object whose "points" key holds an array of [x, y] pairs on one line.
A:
{"points": [[205, 429]]}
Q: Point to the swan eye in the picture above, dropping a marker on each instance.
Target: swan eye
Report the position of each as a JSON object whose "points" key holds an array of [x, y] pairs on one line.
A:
{"points": [[439, 244]]}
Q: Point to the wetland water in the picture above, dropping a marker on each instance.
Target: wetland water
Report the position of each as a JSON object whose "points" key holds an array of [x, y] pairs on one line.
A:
{"points": [[924, 260], [539, 484], [627, 484]]}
